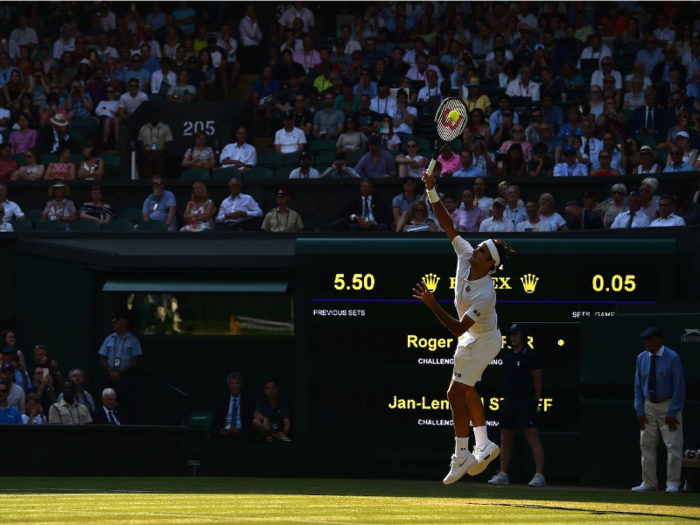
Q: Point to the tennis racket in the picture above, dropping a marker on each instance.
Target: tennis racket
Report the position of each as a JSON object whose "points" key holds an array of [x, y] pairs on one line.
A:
{"points": [[450, 120]]}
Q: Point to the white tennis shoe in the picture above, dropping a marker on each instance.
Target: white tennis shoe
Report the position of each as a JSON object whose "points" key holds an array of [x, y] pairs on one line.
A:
{"points": [[484, 456], [500, 479], [643, 488], [458, 468], [537, 481]]}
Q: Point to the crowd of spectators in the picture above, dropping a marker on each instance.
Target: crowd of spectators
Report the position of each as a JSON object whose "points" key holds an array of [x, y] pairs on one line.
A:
{"points": [[554, 89], [36, 393]]}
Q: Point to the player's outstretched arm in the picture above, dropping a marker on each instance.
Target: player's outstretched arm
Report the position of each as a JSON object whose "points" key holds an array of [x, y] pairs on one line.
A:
{"points": [[457, 327], [441, 213]]}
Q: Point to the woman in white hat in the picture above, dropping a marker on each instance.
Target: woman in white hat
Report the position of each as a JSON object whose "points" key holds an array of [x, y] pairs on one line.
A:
{"points": [[59, 208], [690, 155], [648, 162]]}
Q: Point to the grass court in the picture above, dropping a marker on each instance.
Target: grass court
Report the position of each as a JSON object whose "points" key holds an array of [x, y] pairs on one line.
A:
{"points": [[326, 501]]}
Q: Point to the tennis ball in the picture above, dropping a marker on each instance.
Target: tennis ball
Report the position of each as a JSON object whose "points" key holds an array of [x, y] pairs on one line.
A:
{"points": [[454, 116]]}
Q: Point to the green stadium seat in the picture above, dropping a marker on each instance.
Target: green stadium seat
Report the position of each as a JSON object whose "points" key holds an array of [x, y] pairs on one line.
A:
{"points": [[156, 97], [152, 227], [6, 134], [85, 225], [228, 174], [201, 420], [646, 140], [48, 158], [33, 215], [320, 145], [78, 138], [134, 215], [283, 173], [77, 158], [271, 160], [258, 174], [457, 146], [50, 226], [661, 157], [353, 158], [118, 225], [292, 159], [87, 125], [324, 157], [22, 226], [195, 174], [19, 159], [112, 165]]}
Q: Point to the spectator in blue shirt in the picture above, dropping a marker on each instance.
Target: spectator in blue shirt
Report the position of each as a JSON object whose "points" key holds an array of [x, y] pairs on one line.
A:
{"points": [[400, 11], [120, 356], [677, 162], [160, 205], [340, 169], [468, 169], [137, 71], [150, 63], [551, 114], [184, 17], [9, 415], [482, 44], [6, 69], [570, 167], [650, 56], [156, 18], [659, 393], [401, 204]]}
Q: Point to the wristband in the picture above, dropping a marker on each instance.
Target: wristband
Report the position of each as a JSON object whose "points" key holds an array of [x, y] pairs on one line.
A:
{"points": [[433, 196]]}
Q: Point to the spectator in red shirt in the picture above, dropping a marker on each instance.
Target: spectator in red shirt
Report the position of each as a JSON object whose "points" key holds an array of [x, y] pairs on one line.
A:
{"points": [[7, 165]]}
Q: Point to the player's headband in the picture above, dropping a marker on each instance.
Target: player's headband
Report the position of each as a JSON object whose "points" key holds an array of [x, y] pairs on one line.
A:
{"points": [[494, 253]]}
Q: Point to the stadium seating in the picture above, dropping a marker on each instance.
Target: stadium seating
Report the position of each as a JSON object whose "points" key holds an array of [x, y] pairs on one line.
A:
{"points": [[85, 225], [134, 215], [33, 216], [270, 159], [257, 173], [50, 226], [195, 174], [22, 226], [228, 174], [152, 227], [283, 173], [118, 225]]}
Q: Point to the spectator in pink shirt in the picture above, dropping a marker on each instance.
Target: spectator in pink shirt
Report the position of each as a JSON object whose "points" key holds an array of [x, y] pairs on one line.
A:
{"points": [[308, 57], [517, 133], [24, 138], [450, 162]]}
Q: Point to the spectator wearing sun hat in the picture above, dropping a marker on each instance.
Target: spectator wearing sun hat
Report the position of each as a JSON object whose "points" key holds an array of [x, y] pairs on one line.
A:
{"points": [[497, 222], [648, 163], [52, 138], [475, 98], [60, 208], [282, 218]]}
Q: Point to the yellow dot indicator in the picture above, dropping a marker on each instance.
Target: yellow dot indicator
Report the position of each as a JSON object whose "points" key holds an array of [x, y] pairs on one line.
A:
{"points": [[560, 342], [454, 116]]}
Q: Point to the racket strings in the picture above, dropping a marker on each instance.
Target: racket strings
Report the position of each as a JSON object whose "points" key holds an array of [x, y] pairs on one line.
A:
{"points": [[448, 128]]}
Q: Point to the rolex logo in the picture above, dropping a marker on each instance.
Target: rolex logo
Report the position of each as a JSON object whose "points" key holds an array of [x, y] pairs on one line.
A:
{"points": [[529, 282], [431, 281]]}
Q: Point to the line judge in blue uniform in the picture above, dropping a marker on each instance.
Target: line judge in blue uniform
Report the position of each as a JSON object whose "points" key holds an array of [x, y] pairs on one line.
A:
{"points": [[659, 392], [120, 356]]}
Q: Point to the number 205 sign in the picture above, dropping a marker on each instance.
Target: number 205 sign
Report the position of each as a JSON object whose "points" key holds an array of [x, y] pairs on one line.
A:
{"points": [[190, 127]]}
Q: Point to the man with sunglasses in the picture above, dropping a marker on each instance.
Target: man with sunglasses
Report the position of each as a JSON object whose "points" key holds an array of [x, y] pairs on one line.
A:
{"points": [[9, 415], [138, 72], [131, 100], [154, 140], [677, 163], [671, 89], [160, 205]]}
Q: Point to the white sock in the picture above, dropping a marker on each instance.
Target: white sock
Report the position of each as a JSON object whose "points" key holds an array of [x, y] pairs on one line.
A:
{"points": [[481, 435], [461, 447]]}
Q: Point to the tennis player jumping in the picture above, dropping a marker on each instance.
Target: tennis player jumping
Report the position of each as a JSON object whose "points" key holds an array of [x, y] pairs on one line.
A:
{"points": [[479, 338]]}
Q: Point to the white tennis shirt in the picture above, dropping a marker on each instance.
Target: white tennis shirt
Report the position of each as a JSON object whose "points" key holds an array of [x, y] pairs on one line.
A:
{"points": [[477, 299]]}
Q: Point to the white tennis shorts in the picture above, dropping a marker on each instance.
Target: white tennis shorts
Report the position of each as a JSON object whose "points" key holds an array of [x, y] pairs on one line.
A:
{"points": [[473, 355]]}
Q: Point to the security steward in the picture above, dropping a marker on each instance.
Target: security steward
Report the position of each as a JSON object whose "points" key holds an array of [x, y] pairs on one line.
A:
{"points": [[282, 218], [121, 355], [521, 396], [659, 393]]}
